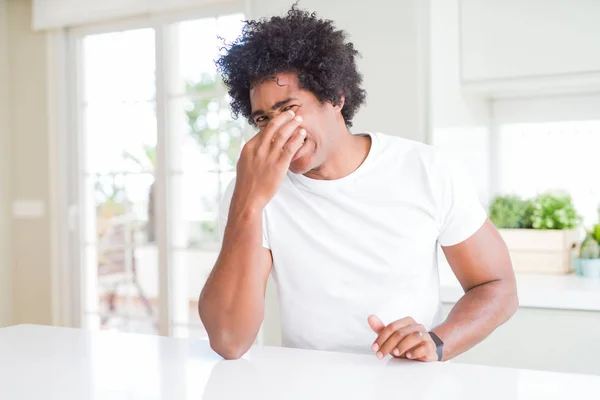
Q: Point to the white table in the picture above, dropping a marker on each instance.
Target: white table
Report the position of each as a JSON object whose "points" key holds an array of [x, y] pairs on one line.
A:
{"points": [[56, 363]]}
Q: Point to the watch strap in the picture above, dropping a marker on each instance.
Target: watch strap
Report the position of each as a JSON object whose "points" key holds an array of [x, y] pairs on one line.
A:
{"points": [[439, 345]]}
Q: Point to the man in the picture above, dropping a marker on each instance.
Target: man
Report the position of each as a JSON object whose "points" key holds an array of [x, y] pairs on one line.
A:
{"points": [[349, 225]]}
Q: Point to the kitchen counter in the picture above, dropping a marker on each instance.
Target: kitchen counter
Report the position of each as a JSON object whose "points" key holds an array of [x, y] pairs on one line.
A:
{"points": [[58, 363], [563, 292]]}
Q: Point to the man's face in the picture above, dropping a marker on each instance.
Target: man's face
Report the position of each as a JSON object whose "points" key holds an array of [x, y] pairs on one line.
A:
{"points": [[281, 93]]}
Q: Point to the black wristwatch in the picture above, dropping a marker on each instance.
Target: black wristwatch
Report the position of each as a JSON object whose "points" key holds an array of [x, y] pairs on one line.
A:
{"points": [[439, 345]]}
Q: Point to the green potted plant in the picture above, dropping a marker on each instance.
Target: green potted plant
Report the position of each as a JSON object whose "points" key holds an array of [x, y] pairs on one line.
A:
{"points": [[588, 263], [540, 233], [511, 212]]}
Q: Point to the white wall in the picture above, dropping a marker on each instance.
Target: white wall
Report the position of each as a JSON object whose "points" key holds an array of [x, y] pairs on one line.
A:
{"points": [[460, 122], [451, 107], [29, 148], [5, 221]]}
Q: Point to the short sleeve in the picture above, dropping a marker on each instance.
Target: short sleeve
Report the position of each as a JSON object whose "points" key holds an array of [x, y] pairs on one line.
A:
{"points": [[224, 214], [460, 212]]}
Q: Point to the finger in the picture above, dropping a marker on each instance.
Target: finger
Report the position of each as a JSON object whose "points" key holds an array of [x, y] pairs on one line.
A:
{"points": [[409, 342], [397, 337], [390, 344], [272, 127], [423, 352], [284, 133], [375, 323], [292, 146], [389, 330]]}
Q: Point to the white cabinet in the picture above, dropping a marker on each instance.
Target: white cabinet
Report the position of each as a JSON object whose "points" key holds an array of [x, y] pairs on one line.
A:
{"points": [[542, 339], [521, 44]]}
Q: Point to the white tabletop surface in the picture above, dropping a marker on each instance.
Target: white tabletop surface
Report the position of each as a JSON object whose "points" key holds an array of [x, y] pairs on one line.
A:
{"points": [[563, 292], [57, 363]]}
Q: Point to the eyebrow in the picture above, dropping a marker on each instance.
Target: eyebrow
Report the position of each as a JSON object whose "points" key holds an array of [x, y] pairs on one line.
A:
{"points": [[274, 107]]}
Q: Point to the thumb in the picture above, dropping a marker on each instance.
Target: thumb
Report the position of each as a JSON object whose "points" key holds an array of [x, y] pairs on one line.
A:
{"points": [[375, 323]]}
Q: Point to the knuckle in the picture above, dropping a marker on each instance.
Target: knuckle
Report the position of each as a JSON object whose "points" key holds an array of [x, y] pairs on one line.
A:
{"points": [[389, 330], [397, 336], [405, 331], [285, 132], [281, 138], [280, 120], [400, 324], [410, 341], [417, 335], [247, 147], [396, 325], [383, 333]]}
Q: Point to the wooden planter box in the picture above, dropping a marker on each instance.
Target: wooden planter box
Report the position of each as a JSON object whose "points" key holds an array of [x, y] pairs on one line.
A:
{"points": [[541, 251]]}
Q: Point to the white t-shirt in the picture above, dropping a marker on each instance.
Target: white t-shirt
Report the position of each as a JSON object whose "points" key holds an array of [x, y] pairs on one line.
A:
{"points": [[365, 244]]}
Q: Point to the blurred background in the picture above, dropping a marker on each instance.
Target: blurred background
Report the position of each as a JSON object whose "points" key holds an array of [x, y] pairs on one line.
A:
{"points": [[117, 142]]}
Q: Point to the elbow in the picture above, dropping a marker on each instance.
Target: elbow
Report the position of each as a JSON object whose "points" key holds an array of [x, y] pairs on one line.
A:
{"points": [[227, 346], [224, 339], [514, 306], [511, 303]]}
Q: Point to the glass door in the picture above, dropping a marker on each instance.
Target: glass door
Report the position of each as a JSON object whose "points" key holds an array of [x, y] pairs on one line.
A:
{"points": [[143, 217]]}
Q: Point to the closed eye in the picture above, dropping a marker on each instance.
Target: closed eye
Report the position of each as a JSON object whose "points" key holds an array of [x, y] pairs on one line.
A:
{"points": [[287, 108], [264, 118]]}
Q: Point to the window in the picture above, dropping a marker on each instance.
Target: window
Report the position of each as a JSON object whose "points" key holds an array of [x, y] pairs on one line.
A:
{"points": [[533, 145], [144, 92], [539, 157]]}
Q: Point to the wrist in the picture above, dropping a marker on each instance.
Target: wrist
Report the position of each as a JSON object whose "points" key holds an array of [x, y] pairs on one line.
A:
{"points": [[439, 345], [245, 208]]}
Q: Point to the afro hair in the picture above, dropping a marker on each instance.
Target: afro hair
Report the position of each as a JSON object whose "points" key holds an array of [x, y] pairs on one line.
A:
{"points": [[298, 42]]}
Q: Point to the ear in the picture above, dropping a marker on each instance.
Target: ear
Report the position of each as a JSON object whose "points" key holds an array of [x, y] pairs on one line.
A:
{"points": [[341, 102]]}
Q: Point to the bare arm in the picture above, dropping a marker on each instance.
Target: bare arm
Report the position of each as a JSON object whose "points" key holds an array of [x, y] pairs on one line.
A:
{"points": [[483, 267], [231, 304]]}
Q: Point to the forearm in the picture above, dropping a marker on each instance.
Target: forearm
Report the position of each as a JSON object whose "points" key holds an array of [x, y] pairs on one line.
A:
{"points": [[476, 315], [232, 302]]}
